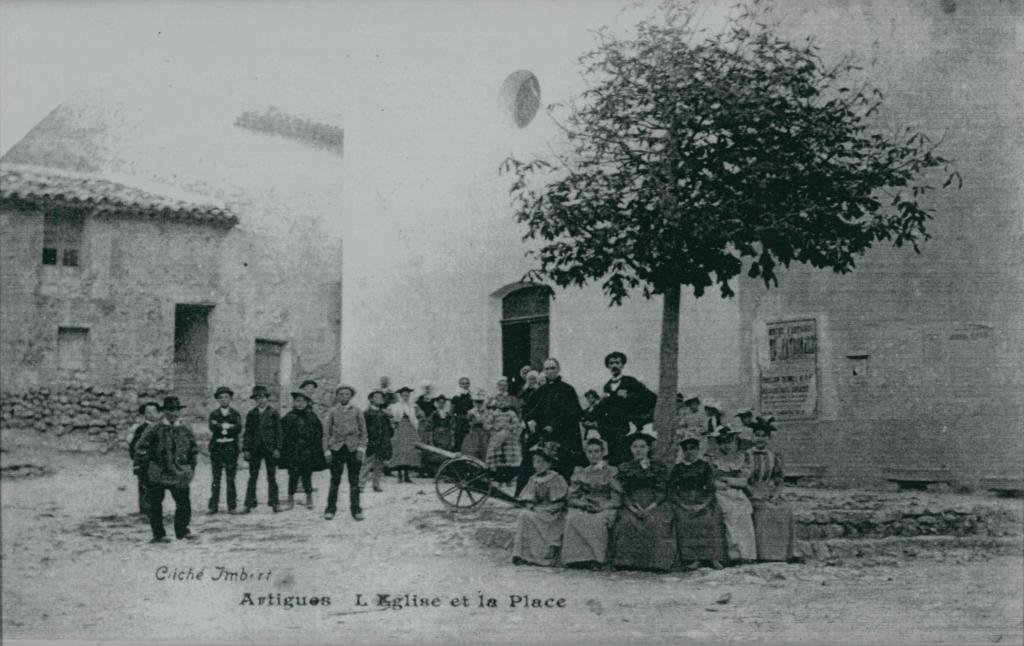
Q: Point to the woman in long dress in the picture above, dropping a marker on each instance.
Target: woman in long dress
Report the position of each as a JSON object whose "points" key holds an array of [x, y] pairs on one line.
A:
{"points": [[479, 434], [504, 453], [503, 400], [773, 517], [642, 535], [698, 521], [594, 498], [731, 485], [405, 417], [539, 526]]}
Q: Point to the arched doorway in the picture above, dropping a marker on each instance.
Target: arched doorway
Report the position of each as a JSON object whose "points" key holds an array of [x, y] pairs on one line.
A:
{"points": [[524, 328]]}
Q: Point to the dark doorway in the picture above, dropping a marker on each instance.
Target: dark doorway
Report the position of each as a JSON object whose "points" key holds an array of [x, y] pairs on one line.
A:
{"points": [[191, 341], [267, 368], [524, 329]]}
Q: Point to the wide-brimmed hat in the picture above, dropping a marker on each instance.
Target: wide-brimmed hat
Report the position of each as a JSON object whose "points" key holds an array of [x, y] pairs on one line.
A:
{"points": [[614, 355], [171, 403], [258, 391], [713, 405], [641, 434], [744, 412], [404, 389], [723, 432], [376, 391], [692, 397], [441, 396], [299, 393], [308, 382], [142, 406], [547, 449], [223, 389], [350, 389]]}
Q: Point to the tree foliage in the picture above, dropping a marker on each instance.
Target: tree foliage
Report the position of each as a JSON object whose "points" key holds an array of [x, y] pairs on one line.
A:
{"points": [[695, 156]]}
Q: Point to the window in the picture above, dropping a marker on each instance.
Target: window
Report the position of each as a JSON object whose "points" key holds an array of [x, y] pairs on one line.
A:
{"points": [[62, 239], [73, 349], [267, 368]]}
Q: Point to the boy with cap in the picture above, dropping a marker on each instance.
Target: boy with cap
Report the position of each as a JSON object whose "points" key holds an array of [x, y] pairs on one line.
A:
{"points": [[225, 427], [344, 446], [167, 454], [301, 447], [379, 432], [261, 443]]}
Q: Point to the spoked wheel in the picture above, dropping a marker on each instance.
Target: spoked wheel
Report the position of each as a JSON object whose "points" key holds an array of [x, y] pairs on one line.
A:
{"points": [[462, 483]]}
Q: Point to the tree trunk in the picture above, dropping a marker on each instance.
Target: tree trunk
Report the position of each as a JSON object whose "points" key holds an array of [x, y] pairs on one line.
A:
{"points": [[668, 378]]}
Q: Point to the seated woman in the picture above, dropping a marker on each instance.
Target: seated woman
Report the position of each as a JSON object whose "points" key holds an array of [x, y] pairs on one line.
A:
{"points": [[504, 454], [773, 518], [594, 498], [698, 521], [539, 526], [731, 485], [642, 536]]}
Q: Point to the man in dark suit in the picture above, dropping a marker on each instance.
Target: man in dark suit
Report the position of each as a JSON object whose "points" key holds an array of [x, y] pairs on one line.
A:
{"points": [[167, 454], [151, 412], [462, 403], [261, 443], [553, 415], [624, 400], [225, 429]]}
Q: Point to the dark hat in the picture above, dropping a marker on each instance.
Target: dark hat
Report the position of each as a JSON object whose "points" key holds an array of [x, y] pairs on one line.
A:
{"points": [[404, 389], [223, 389], [299, 393], [548, 450], [723, 432], [171, 403], [592, 392], [441, 396], [744, 412], [376, 391], [345, 387], [612, 355], [308, 382], [142, 406], [689, 439], [258, 391], [692, 397]]}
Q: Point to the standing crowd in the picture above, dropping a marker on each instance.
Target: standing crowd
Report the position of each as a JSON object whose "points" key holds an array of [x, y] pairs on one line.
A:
{"points": [[592, 494]]}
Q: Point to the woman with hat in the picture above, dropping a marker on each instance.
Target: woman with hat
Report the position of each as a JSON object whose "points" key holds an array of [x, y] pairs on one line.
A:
{"points": [[302, 436], [594, 498], [405, 419], [642, 536], [539, 526], [478, 436], [773, 517], [698, 521], [731, 486]]}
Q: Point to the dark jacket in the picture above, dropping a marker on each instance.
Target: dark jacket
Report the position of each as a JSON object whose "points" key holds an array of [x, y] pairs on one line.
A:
{"points": [[630, 402], [262, 431], [437, 431], [136, 435], [379, 432], [167, 454], [217, 420], [556, 404], [425, 405], [462, 404], [302, 437]]}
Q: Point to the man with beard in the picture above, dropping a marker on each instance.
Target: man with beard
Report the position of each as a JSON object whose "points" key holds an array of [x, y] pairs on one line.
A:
{"points": [[624, 400], [553, 414]]}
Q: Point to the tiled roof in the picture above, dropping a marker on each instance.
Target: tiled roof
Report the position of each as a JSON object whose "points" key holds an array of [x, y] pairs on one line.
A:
{"points": [[111, 194], [273, 121]]}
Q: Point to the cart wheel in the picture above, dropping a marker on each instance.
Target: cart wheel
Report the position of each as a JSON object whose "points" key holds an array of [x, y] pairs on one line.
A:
{"points": [[462, 483]]}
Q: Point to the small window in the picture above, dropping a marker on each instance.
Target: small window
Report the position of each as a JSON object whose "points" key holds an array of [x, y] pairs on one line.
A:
{"points": [[62, 239], [73, 349]]}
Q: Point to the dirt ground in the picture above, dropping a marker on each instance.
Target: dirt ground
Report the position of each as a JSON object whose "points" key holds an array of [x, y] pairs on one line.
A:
{"points": [[77, 565]]}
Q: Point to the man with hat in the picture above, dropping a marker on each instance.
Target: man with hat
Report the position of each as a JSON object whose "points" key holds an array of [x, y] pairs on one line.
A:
{"points": [[225, 428], [261, 443], [301, 447], [624, 401], [150, 411], [167, 454]]}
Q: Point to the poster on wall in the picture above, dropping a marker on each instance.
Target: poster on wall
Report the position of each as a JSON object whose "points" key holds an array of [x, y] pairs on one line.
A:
{"points": [[788, 379]]}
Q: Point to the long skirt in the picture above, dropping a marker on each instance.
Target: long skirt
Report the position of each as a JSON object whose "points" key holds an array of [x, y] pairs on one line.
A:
{"points": [[537, 531], [773, 530], [646, 543], [737, 515], [403, 446], [586, 535], [476, 442], [700, 534]]}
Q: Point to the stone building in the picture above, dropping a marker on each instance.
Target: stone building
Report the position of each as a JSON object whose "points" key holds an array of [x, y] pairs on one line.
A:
{"points": [[149, 251]]}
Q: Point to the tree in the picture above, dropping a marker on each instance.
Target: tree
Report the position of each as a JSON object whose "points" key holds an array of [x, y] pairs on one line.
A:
{"points": [[695, 156]]}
